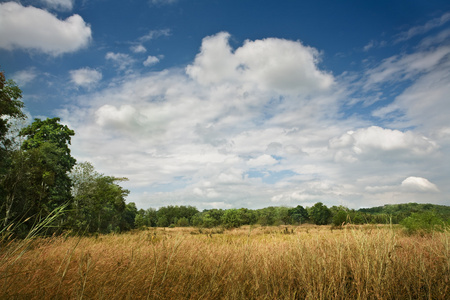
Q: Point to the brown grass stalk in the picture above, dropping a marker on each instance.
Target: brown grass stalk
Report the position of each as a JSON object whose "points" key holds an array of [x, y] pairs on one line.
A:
{"points": [[306, 262]]}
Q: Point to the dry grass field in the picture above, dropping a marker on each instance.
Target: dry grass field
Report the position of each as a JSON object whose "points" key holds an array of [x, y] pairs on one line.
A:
{"points": [[305, 262]]}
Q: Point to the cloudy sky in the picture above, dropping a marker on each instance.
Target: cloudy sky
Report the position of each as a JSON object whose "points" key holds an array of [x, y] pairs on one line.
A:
{"points": [[222, 104]]}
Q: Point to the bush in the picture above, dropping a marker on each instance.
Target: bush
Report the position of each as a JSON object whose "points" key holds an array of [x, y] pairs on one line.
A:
{"points": [[423, 223]]}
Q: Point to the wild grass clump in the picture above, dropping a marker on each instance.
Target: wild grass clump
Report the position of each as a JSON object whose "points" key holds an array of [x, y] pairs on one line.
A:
{"points": [[311, 262]]}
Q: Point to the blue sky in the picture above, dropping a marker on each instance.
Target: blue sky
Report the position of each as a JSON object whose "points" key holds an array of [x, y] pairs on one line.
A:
{"points": [[244, 103]]}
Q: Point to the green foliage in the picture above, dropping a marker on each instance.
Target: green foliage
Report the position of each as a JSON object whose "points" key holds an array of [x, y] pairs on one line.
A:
{"points": [[395, 213], [208, 218], [28, 184], [162, 221], [423, 223], [171, 214], [339, 217], [298, 214], [53, 139], [320, 214], [266, 216], [237, 217], [99, 202], [10, 108], [146, 218], [183, 222]]}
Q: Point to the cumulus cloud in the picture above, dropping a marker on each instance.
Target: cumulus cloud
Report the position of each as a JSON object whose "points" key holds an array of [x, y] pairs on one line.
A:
{"points": [[379, 143], [61, 5], [419, 184], [31, 28], [262, 161], [151, 60], [225, 134], [138, 49], [85, 77], [272, 64]]}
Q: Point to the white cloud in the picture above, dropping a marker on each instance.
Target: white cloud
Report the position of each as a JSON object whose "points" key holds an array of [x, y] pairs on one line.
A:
{"points": [[420, 184], [85, 77], [417, 30], [398, 68], [36, 29], [271, 64], [262, 161], [381, 144], [424, 103], [215, 135], [154, 34], [121, 60], [151, 60], [370, 45], [22, 78], [61, 5], [138, 49]]}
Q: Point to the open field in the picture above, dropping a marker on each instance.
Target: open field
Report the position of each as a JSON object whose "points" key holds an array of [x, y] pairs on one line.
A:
{"points": [[306, 262]]}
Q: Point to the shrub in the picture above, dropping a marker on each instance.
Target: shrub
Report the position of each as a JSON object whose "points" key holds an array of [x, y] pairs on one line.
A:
{"points": [[423, 223]]}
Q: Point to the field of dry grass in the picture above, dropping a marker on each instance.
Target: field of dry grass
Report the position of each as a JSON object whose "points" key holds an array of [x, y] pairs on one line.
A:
{"points": [[306, 262]]}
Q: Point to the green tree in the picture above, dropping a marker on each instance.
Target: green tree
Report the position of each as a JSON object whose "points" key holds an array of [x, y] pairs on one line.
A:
{"points": [[266, 216], [298, 214], [10, 108], [99, 202], [339, 215], [238, 217], [282, 215], [423, 223], [27, 184], [163, 221], [52, 137], [320, 214], [129, 216]]}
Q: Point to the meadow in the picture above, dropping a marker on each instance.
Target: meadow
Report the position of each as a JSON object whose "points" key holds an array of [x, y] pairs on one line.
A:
{"points": [[251, 262]]}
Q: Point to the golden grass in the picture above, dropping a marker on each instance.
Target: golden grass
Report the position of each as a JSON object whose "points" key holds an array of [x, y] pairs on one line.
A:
{"points": [[306, 262]]}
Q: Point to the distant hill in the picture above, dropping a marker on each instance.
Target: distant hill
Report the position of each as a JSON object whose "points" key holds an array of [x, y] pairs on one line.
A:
{"points": [[401, 211]]}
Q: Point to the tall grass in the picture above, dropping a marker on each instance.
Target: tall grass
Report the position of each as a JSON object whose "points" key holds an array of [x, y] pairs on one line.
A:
{"points": [[306, 262]]}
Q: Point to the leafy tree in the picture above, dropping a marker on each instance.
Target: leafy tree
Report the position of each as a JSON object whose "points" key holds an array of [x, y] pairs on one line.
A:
{"points": [[320, 214], [10, 108], [340, 215], [27, 184], [183, 222], [172, 214], [423, 223], [129, 216], [99, 202], [395, 213], [54, 138], [298, 214], [163, 221], [238, 217], [266, 216], [282, 215]]}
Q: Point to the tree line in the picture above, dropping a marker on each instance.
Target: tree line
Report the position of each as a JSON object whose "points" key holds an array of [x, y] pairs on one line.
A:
{"points": [[38, 175], [319, 214]]}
